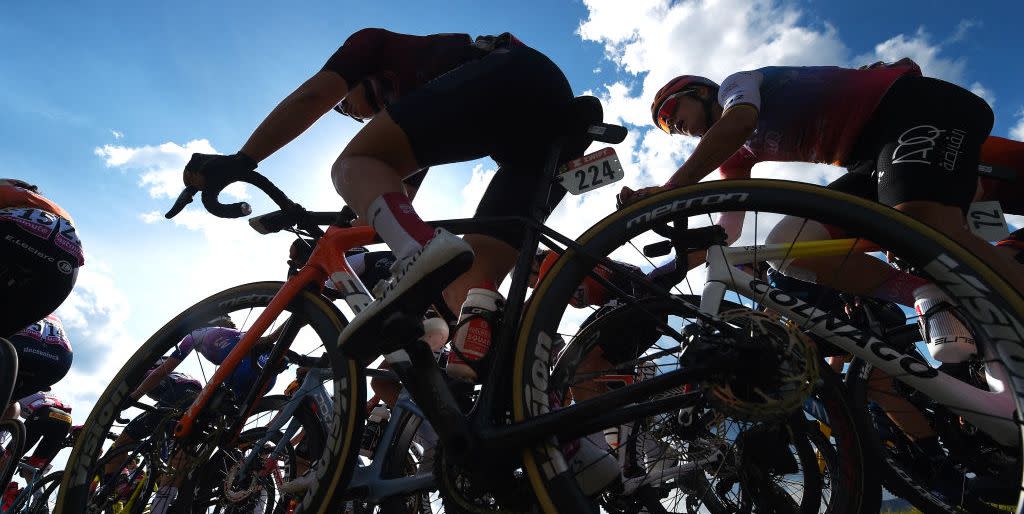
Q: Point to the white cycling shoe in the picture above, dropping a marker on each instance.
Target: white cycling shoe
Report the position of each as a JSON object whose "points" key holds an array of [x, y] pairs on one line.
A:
{"points": [[415, 284]]}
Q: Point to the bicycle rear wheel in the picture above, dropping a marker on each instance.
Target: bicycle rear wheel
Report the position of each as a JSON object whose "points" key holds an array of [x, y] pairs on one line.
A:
{"points": [[12, 445], [990, 307], [318, 323]]}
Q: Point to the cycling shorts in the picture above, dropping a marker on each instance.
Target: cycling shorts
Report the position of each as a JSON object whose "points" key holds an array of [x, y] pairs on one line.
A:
{"points": [[40, 364], [507, 105], [245, 376], [41, 253], [922, 144], [48, 426], [145, 424]]}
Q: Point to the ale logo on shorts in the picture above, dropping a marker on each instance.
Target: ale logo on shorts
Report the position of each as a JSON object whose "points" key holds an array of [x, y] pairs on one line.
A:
{"points": [[65, 267]]}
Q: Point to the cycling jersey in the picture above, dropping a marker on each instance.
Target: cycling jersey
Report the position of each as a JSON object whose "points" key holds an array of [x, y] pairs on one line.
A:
{"points": [[176, 390], [1009, 155], [591, 292], [408, 61], [44, 355], [806, 114], [33, 402], [372, 267], [173, 389], [14, 196], [215, 343]]}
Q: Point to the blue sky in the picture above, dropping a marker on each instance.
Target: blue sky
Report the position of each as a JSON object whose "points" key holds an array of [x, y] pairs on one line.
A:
{"points": [[104, 101]]}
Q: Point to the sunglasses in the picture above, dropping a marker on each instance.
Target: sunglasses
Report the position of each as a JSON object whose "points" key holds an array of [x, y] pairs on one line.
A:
{"points": [[371, 99], [667, 111]]}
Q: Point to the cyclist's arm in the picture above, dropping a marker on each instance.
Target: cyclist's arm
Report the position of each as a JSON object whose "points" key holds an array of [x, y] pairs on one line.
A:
{"points": [[725, 137], [155, 377], [296, 113]]}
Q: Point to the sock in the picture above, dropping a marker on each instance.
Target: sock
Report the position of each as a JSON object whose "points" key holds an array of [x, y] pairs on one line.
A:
{"points": [[163, 500], [393, 217], [899, 288]]}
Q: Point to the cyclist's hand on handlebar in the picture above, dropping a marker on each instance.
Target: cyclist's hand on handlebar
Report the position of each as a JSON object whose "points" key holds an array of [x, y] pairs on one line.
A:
{"points": [[214, 169], [628, 196]]}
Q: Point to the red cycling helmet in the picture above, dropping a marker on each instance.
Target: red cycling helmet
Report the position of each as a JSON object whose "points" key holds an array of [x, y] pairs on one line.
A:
{"points": [[662, 108]]}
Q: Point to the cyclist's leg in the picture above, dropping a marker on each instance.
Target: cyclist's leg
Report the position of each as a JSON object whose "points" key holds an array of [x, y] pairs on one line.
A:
{"points": [[53, 426], [937, 187], [486, 107], [862, 275]]}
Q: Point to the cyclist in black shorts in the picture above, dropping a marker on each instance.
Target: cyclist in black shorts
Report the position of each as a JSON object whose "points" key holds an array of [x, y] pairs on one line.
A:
{"points": [[175, 390], [429, 100], [47, 422], [39, 255], [908, 141], [44, 357]]}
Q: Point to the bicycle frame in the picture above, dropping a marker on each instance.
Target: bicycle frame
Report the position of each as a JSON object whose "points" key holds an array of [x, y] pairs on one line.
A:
{"points": [[327, 260], [992, 412]]}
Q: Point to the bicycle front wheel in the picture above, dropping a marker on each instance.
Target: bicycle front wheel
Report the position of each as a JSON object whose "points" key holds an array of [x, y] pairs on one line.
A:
{"points": [[318, 324], [992, 310]]}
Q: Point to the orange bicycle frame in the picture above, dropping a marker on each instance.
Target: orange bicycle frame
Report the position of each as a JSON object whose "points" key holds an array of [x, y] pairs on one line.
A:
{"points": [[328, 257]]}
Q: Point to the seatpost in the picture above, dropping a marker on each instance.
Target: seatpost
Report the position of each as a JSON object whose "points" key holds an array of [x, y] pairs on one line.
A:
{"points": [[517, 290]]}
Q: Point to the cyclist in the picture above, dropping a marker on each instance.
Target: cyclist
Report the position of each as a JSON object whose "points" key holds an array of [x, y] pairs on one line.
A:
{"points": [[40, 253], [430, 100], [173, 390], [44, 357], [909, 141], [48, 422], [1009, 155], [214, 343]]}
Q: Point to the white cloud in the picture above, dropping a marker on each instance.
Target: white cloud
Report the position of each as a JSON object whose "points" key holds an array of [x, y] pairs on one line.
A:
{"points": [[94, 315], [1017, 131], [160, 167], [116, 134], [984, 92], [474, 190]]}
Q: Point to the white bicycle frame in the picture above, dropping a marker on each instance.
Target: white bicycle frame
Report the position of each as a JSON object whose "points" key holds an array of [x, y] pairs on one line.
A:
{"points": [[990, 411]]}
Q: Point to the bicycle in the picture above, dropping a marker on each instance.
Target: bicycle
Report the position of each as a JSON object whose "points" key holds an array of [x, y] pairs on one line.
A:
{"points": [[514, 421], [38, 496], [394, 477]]}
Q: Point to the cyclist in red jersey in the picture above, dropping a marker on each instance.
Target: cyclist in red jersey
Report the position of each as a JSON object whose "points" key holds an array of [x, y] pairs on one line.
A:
{"points": [[1008, 156], [39, 255], [429, 100], [909, 141]]}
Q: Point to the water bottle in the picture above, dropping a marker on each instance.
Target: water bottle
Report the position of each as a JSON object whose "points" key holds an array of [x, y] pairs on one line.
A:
{"points": [[948, 340], [375, 422], [473, 335]]}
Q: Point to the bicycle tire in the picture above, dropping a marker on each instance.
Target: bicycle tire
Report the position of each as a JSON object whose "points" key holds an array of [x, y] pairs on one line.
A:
{"points": [[593, 334], [13, 447], [8, 371], [400, 462], [895, 478], [316, 312], [45, 500], [916, 243]]}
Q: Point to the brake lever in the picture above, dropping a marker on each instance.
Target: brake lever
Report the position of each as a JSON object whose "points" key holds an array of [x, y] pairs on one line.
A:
{"points": [[184, 199]]}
